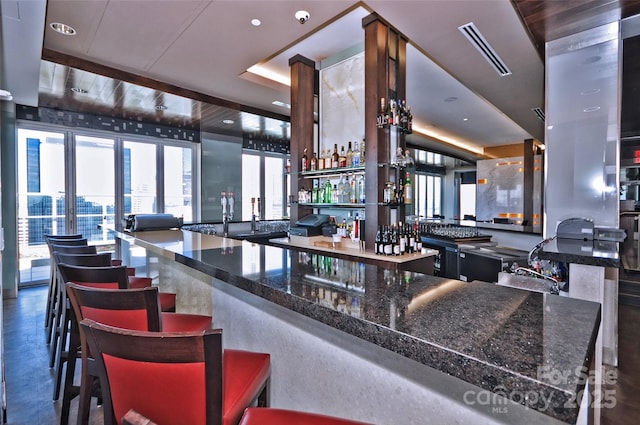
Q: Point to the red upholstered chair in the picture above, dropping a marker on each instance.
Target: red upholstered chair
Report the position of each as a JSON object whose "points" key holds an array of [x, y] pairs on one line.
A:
{"points": [[269, 416], [175, 378], [137, 309]]}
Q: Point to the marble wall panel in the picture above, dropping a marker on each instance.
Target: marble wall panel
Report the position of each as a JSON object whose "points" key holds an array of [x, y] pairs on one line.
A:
{"points": [[500, 189]]}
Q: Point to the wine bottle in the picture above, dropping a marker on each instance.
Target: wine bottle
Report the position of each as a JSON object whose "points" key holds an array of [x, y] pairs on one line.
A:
{"points": [[395, 241], [412, 239], [402, 241], [408, 190], [386, 240], [335, 158], [378, 241]]}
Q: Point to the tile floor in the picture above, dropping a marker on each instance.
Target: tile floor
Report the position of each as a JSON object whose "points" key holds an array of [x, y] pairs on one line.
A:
{"points": [[29, 381]]}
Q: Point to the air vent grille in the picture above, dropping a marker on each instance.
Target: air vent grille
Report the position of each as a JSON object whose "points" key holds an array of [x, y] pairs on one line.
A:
{"points": [[471, 32], [539, 113]]}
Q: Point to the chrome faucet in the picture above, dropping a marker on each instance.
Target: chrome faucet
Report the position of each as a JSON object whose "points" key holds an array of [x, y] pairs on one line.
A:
{"points": [[225, 216], [253, 214]]}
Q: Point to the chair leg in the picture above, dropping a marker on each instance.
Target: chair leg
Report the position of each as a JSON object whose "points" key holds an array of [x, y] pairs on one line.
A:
{"points": [[50, 299], [70, 391], [63, 353], [86, 387], [53, 309]]}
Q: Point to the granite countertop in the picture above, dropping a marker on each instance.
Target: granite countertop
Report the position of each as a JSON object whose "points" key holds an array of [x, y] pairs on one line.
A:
{"points": [[593, 253], [509, 341]]}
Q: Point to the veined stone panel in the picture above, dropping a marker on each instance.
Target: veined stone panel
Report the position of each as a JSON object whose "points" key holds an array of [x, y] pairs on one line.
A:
{"points": [[342, 103]]}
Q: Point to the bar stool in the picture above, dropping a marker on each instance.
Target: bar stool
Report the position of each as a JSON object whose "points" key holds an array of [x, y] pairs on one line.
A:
{"points": [[136, 309], [52, 291], [175, 377]]}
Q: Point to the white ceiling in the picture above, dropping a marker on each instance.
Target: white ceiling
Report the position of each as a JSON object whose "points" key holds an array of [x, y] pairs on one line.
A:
{"points": [[207, 46]]}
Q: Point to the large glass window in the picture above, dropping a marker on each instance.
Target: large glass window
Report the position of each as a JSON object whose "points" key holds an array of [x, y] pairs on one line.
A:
{"points": [[428, 195], [95, 187], [263, 177], [178, 182], [67, 184], [140, 178], [41, 199], [273, 188]]}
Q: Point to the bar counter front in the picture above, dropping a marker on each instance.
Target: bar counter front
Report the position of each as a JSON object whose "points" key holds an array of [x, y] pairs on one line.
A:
{"points": [[378, 344]]}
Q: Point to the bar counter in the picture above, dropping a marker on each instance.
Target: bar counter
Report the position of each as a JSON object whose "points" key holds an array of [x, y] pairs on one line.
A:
{"points": [[478, 340]]}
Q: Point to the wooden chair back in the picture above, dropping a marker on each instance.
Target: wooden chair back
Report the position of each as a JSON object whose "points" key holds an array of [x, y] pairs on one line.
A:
{"points": [[171, 378]]}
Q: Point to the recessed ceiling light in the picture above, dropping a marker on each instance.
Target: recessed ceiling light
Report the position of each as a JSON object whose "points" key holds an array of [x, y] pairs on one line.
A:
{"points": [[229, 122], [451, 99], [161, 107], [591, 109], [78, 90], [62, 28], [465, 119], [256, 22], [279, 103]]}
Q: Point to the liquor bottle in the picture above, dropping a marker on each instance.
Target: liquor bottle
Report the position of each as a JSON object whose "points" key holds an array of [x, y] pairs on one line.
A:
{"points": [[321, 160], [379, 247], [390, 111], [313, 165], [287, 168], [355, 158], [409, 120], [304, 163], [408, 190], [361, 193], [328, 192], [341, 189], [349, 156], [418, 240], [362, 158], [342, 158], [353, 193], [335, 158]]}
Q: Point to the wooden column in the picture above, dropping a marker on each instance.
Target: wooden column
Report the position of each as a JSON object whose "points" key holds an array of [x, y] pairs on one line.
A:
{"points": [[384, 77], [302, 101]]}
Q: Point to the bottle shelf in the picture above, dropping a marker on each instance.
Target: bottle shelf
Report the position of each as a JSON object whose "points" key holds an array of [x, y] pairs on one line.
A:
{"points": [[332, 172], [330, 205], [399, 128]]}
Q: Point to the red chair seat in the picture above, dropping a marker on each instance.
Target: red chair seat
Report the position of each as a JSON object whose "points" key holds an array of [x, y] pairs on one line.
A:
{"points": [[268, 416], [167, 299], [243, 370], [178, 322]]}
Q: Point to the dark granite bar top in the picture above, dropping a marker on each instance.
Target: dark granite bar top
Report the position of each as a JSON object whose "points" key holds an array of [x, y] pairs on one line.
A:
{"points": [[530, 347], [593, 253]]}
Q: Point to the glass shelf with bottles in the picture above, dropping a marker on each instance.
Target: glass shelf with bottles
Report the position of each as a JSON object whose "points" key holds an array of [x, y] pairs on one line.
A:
{"points": [[395, 114], [347, 192], [333, 172]]}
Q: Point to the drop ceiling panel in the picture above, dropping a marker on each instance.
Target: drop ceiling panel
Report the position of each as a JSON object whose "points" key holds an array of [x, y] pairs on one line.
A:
{"points": [[83, 16], [145, 30]]}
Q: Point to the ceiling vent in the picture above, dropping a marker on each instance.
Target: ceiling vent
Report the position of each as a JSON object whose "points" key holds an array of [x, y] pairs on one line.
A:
{"points": [[539, 113], [479, 42]]}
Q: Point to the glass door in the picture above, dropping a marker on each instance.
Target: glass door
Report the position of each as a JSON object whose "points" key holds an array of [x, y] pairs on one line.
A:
{"points": [[41, 199], [94, 189]]}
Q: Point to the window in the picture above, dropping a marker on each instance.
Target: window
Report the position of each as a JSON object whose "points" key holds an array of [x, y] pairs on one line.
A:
{"points": [[263, 177], [140, 178], [178, 182], [68, 182]]}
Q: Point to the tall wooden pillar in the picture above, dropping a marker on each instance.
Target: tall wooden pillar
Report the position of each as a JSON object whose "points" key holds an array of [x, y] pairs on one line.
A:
{"points": [[384, 77], [302, 101]]}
